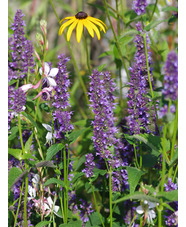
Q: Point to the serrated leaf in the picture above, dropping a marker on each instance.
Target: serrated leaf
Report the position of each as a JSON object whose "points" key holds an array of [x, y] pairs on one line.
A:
{"points": [[14, 132], [52, 150], [43, 223], [17, 153], [134, 176], [45, 164], [13, 174], [101, 67], [153, 24], [138, 196], [54, 181], [73, 136], [72, 224], [170, 196]]}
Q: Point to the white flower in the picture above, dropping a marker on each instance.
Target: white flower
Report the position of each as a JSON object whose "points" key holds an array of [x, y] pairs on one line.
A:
{"points": [[31, 192], [49, 74], [49, 133], [51, 205], [147, 209], [35, 180]]}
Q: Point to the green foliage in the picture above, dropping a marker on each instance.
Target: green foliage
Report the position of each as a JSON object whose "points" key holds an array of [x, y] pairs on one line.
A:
{"points": [[43, 223], [53, 150], [13, 175]]}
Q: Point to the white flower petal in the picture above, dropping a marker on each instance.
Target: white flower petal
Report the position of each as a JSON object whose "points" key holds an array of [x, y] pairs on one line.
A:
{"points": [[50, 202], [41, 71], [35, 179], [56, 208], [151, 205], [46, 69], [48, 127], [51, 81], [30, 190], [49, 136], [26, 87], [53, 72], [139, 210]]}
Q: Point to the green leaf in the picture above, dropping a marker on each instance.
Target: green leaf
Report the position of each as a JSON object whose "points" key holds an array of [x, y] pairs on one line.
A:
{"points": [[43, 223], [124, 40], [174, 158], [28, 156], [94, 220], [170, 196], [54, 181], [81, 161], [168, 206], [14, 173], [28, 144], [72, 224], [138, 196], [149, 160], [45, 164], [52, 150], [74, 135], [153, 24], [134, 176], [30, 119], [170, 8], [130, 32], [101, 67], [83, 123], [14, 132], [106, 53], [17, 153], [77, 176]]}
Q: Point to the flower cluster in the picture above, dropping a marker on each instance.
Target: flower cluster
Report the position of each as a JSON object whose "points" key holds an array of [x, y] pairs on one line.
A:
{"points": [[61, 116], [139, 6], [22, 50], [170, 89], [89, 164], [171, 219], [138, 104], [102, 104]]}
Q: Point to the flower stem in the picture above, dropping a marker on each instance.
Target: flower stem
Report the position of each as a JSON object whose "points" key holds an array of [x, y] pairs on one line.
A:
{"points": [[65, 181], [150, 84], [96, 204], [87, 53], [174, 138], [110, 195], [19, 203], [163, 162], [116, 40]]}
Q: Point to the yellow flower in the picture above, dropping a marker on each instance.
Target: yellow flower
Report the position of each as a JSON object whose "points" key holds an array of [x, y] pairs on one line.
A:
{"points": [[82, 19]]}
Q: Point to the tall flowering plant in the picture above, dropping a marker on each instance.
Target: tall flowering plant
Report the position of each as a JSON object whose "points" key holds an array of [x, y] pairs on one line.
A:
{"points": [[92, 124]]}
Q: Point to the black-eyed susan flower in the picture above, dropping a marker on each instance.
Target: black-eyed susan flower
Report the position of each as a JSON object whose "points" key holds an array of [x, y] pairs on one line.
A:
{"points": [[82, 19]]}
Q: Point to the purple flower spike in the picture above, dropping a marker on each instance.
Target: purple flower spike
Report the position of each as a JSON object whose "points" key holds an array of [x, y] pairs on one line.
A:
{"points": [[61, 116], [102, 104], [22, 49], [138, 103], [170, 90], [139, 6], [89, 164]]}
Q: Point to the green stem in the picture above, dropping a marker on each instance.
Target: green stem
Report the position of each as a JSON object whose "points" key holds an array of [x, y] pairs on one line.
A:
{"points": [[20, 134], [116, 40], [135, 153], [159, 218], [110, 195], [73, 58], [175, 172], [150, 84], [96, 204], [174, 138], [19, 203], [87, 53], [155, 5], [163, 162], [65, 181]]}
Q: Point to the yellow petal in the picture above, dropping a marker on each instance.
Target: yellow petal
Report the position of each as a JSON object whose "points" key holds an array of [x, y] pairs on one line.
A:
{"points": [[89, 27], [95, 21], [62, 28], [66, 18], [95, 29], [70, 29], [79, 30], [101, 22]]}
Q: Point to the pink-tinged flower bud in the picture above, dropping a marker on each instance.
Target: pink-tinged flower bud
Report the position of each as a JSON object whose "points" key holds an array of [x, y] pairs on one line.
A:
{"points": [[37, 55], [43, 25], [39, 39]]}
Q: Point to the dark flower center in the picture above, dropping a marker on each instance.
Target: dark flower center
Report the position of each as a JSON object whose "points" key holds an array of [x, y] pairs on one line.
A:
{"points": [[81, 15]]}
